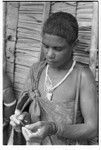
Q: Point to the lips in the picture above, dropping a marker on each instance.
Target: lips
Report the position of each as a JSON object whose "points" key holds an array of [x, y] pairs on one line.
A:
{"points": [[50, 61]]}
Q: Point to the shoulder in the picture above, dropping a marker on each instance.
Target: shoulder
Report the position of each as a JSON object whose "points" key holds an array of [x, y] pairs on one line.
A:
{"points": [[38, 65], [87, 77], [84, 70]]}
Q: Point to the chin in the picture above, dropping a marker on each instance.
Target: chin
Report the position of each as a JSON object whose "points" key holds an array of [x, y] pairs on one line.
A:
{"points": [[54, 65]]}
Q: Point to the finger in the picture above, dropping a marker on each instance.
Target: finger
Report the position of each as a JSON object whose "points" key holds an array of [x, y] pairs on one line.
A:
{"points": [[30, 134], [33, 126], [12, 123], [21, 117], [26, 133], [14, 119], [11, 117], [17, 128], [17, 112]]}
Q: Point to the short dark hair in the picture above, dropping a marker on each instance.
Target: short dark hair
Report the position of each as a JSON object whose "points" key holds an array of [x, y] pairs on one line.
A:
{"points": [[62, 24]]}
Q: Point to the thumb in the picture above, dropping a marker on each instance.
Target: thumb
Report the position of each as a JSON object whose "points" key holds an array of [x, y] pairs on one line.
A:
{"points": [[17, 112], [21, 117], [31, 126], [34, 127], [26, 133]]}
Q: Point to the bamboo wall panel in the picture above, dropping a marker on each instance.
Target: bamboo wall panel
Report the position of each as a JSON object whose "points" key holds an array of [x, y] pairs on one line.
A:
{"points": [[4, 35], [28, 46], [84, 18], [10, 51], [69, 7], [11, 27], [12, 14], [32, 36], [9, 66], [94, 39]]}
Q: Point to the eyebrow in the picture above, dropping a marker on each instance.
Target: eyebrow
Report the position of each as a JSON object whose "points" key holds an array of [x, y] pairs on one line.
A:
{"points": [[53, 46]]}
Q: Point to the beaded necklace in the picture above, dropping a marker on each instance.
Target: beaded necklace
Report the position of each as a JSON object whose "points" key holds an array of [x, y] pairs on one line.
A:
{"points": [[48, 87]]}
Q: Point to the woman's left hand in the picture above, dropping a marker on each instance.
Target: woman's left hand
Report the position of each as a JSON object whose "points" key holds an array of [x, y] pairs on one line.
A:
{"points": [[35, 133]]}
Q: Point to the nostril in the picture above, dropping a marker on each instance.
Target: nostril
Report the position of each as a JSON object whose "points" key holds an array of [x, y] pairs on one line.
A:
{"points": [[50, 54], [52, 57]]}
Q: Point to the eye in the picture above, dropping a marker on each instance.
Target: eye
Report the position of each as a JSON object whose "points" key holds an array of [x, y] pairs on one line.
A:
{"points": [[58, 48]]}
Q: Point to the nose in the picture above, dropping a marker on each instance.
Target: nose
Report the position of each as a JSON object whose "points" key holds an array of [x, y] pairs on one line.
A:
{"points": [[50, 53]]}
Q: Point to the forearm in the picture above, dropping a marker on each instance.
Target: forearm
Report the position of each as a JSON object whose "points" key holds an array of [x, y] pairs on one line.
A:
{"points": [[77, 131]]}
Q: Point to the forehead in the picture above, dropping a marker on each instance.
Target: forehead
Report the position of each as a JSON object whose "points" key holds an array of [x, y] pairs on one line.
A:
{"points": [[53, 40]]}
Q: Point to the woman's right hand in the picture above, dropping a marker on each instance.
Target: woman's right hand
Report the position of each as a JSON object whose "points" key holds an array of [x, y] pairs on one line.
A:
{"points": [[16, 121]]}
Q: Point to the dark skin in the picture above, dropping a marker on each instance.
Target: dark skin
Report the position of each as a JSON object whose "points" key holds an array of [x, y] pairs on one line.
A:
{"points": [[9, 97], [59, 57]]}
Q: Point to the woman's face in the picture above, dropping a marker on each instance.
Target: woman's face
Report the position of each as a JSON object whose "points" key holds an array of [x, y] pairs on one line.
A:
{"points": [[56, 50]]}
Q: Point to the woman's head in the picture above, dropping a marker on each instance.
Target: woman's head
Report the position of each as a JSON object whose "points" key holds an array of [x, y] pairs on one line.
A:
{"points": [[62, 24]]}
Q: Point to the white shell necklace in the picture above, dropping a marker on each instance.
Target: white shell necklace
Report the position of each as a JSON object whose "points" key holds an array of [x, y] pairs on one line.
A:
{"points": [[48, 87]]}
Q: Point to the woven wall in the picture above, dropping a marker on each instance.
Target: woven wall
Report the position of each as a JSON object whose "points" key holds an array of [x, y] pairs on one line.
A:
{"points": [[23, 33], [28, 39]]}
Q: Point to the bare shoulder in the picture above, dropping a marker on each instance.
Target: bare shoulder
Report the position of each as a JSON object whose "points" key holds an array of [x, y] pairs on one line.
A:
{"points": [[86, 73], [38, 64]]}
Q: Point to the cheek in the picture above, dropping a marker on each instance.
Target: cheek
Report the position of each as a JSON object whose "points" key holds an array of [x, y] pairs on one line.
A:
{"points": [[59, 57], [63, 55], [67, 53]]}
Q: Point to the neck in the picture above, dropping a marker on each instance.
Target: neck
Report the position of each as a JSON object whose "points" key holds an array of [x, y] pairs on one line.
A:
{"points": [[63, 67]]}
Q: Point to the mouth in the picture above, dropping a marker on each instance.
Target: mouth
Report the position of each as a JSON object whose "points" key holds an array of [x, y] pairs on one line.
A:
{"points": [[50, 61]]}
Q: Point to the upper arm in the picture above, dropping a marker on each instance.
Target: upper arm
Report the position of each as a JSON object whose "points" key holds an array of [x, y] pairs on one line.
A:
{"points": [[31, 77], [88, 98], [29, 82]]}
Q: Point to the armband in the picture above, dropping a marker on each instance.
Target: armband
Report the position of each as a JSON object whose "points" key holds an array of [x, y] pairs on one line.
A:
{"points": [[10, 104]]}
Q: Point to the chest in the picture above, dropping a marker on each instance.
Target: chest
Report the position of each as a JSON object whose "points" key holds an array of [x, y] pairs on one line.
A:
{"points": [[65, 92]]}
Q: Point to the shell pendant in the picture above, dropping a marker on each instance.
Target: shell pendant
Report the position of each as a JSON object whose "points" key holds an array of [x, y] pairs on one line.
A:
{"points": [[49, 96]]}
